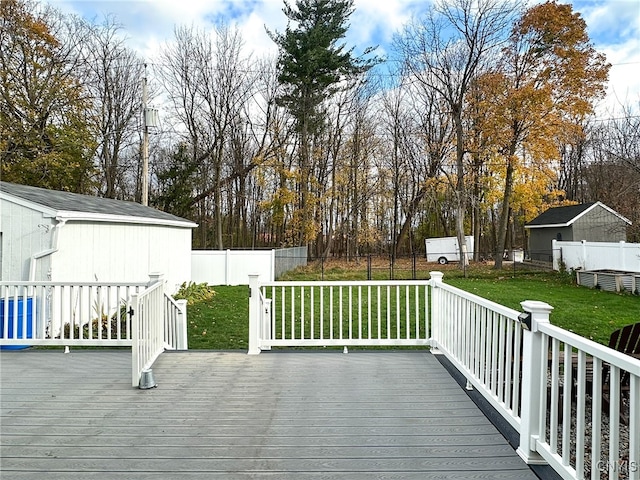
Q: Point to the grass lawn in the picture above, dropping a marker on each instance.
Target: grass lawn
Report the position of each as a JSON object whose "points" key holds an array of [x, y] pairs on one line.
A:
{"points": [[221, 322]]}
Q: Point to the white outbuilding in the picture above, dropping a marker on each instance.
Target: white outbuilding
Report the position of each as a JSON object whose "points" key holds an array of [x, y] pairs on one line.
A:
{"points": [[68, 237]]}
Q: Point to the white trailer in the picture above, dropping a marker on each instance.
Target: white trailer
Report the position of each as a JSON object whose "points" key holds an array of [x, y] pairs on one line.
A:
{"points": [[445, 249]]}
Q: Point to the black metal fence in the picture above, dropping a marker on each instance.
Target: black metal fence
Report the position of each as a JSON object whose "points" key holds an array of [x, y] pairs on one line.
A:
{"points": [[406, 267]]}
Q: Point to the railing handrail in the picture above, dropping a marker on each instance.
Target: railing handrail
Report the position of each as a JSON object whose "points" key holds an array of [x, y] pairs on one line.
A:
{"points": [[338, 283], [604, 353], [342, 315], [501, 355], [147, 330], [51, 283], [175, 335], [66, 313], [496, 307]]}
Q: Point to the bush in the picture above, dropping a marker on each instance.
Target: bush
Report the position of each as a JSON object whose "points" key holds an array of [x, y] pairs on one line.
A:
{"points": [[102, 327], [194, 292]]}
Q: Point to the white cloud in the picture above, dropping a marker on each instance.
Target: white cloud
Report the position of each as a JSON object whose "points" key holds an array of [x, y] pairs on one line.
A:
{"points": [[613, 25], [614, 29]]}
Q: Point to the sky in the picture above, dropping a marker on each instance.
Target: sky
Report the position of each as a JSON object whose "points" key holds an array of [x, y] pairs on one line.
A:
{"points": [[613, 26]]}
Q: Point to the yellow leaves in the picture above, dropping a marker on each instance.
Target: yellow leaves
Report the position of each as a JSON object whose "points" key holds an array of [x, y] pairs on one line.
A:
{"points": [[18, 19], [553, 42]]}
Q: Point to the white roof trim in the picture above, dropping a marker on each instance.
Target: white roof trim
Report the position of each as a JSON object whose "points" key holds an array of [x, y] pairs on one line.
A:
{"points": [[548, 225], [614, 212], [46, 211], [70, 216]]}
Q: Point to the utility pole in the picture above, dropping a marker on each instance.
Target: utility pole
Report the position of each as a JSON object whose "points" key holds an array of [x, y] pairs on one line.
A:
{"points": [[145, 142]]}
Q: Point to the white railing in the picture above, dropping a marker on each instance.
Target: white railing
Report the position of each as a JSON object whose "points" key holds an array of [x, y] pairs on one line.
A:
{"points": [[65, 313], [588, 421], [542, 379], [96, 314], [175, 323], [148, 329], [338, 314], [483, 340]]}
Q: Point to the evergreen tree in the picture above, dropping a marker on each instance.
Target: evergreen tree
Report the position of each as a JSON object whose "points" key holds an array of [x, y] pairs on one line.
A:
{"points": [[313, 65]]}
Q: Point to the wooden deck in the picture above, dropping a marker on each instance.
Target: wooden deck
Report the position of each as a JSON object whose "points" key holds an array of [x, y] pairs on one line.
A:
{"points": [[278, 415]]}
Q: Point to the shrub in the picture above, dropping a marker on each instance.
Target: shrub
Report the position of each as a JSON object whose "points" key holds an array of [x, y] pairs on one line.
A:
{"points": [[194, 292]]}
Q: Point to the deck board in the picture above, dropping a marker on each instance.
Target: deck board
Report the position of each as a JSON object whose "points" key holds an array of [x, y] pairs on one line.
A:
{"points": [[285, 415]]}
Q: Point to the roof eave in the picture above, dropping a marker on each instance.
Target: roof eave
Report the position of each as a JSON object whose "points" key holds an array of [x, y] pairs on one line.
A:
{"points": [[46, 211], [547, 225], [104, 217]]}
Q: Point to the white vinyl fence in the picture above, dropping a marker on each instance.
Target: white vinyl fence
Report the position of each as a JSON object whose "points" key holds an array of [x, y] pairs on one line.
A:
{"points": [[572, 401], [233, 267], [619, 256]]}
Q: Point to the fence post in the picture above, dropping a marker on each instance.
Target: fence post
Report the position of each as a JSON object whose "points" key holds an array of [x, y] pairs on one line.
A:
{"points": [[265, 314], [254, 315], [534, 366], [154, 278], [135, 340], [181, 326], [435, 281]]}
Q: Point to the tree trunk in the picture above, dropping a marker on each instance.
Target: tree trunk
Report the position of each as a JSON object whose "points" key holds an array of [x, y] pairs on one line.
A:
{"points": [[504, 213]]}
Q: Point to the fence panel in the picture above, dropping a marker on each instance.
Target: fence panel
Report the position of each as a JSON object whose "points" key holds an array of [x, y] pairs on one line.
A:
{"points": [[346, 313], [583, 255]]}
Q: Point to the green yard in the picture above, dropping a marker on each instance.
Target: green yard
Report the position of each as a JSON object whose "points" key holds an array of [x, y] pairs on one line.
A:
{"points": [[221, 322]]}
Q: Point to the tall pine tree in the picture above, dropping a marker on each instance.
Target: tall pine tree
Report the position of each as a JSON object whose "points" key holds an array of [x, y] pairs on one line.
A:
{"points": [[313, 64]]}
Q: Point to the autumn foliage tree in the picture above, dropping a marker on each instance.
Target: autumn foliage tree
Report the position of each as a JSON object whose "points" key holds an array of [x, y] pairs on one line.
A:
{"points": [[45, 138], [446, 51], [548, 80]]}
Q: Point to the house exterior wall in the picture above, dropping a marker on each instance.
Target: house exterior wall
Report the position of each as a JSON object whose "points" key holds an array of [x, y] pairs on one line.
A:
{"points": [[540, 241], [116, 252], [599, 225], [25, 233], [36, 246]]}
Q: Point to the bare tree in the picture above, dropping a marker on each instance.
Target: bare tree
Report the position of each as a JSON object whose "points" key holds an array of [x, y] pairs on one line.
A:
{"points": [[113, 80], [208, 81], [445, 51], [612, 173]]}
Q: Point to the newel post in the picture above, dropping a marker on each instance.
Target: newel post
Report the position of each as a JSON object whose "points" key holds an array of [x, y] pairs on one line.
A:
{"points": [[436, 321], [181, 325], [534, 366], [254, 315], [154, 278]]}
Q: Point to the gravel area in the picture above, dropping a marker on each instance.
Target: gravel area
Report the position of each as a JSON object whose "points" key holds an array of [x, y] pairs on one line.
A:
{"points": [[622, 467]]}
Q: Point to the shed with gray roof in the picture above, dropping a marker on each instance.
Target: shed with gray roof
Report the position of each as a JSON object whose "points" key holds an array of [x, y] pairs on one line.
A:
{"points": [[63, 236], [593, 222]]}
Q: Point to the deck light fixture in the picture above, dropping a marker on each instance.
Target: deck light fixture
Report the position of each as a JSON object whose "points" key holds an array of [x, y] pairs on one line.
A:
{"points": [[525, 320]]}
